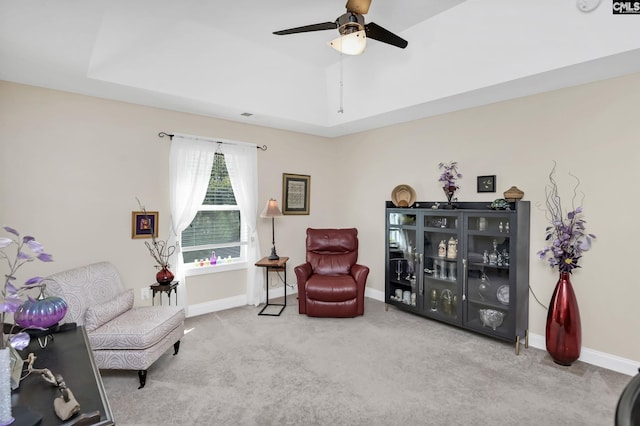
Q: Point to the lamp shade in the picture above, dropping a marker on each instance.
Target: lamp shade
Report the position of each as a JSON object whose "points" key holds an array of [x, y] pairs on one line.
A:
{"points": [[271, 209], [350, 44]]}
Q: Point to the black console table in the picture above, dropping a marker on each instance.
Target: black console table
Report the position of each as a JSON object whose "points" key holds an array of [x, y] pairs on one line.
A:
{"points": [[67, 354]]}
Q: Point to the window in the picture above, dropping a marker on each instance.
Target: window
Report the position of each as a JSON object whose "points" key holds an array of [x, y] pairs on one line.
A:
{"points": [[217, 227]]}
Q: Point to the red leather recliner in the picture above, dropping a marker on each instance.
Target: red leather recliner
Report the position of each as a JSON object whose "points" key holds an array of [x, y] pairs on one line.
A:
{"points": [[331, 283]]}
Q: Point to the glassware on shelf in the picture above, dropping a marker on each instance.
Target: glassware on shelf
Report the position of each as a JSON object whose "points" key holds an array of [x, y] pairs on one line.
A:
{"points": [[500, 227], [491, 318], [439, 270], [398, 268], [483, 287], [409, 256], [447, 299], [452, 271], [493, 256], [506, 227], [433, 306], [482, 224], [485, 257]]}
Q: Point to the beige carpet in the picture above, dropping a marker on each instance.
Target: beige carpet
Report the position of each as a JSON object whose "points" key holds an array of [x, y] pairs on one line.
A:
{"points": [[385, 368]]}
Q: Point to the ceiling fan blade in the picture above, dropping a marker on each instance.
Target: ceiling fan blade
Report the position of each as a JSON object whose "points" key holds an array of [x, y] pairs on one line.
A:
{"points": [[308, 28], [376, 32], [358, 6]]}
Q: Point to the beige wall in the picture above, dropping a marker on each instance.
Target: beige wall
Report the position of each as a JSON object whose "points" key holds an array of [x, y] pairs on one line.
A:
{"points": [[589, 130], [71, 166]]}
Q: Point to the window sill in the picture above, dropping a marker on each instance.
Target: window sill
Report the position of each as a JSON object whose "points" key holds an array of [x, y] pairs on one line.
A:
{"points": [[191, 270]]}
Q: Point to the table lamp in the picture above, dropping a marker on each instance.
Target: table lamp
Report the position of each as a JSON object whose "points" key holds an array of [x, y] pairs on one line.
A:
{"points": [[271, 210]]}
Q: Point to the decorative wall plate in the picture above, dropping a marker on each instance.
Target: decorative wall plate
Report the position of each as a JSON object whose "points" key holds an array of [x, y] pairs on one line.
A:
{"points": [[503, 294]]}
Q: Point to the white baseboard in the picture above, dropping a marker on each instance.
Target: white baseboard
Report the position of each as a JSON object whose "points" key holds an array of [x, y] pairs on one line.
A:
{"points": [[216, 305], [374, 294], [590, 356], [231, 302], [593, 357]]}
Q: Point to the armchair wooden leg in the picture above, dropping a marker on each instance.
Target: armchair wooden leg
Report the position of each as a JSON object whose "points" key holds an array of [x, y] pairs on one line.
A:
{"points": [[176, 347], [142, 374]]}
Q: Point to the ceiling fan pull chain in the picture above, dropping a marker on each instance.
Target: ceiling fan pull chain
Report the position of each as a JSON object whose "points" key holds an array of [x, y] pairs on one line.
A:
{"points": [[341, 110]]}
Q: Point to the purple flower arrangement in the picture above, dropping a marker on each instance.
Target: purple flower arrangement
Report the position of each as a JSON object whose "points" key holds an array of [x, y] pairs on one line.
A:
{"points": [[449, 174], [567, 238]]}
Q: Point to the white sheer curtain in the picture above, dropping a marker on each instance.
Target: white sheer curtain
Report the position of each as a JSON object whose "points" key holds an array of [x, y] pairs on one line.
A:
{"points": [[190, 163], [242, 164]]}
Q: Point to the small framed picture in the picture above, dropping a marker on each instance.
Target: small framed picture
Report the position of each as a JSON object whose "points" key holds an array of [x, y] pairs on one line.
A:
{"points": [[487, 183], [144, 224], [296, 191]]}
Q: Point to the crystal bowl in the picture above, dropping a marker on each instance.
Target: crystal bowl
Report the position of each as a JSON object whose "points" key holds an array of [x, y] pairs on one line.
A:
{"points": [[491, 318]]}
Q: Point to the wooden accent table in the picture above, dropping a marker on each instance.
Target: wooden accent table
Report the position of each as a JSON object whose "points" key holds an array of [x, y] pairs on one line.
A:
{"points": [[274, 265]]}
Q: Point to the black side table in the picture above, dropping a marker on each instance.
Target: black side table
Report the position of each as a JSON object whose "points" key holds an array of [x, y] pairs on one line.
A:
{"points": [[164, 288], [274, 265]]}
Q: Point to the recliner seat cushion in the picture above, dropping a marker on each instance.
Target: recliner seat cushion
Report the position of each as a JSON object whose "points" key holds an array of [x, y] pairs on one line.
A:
{"points": [[138, 328], [341, 288]]}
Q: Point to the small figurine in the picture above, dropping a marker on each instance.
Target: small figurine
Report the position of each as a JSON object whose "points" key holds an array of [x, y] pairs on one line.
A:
{"points": [[442, 249], [505, 255], [452, 248]]}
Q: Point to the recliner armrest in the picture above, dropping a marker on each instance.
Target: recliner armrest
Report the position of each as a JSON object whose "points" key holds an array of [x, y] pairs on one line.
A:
{"points": [[303, 272], [359, 273]]}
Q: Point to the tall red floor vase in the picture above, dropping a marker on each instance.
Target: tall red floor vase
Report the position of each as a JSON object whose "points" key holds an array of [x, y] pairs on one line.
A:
{"points": [[563, 332]]}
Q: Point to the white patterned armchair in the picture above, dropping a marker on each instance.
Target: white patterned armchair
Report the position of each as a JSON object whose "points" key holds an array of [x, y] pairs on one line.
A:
{"points": [[122, 337]]}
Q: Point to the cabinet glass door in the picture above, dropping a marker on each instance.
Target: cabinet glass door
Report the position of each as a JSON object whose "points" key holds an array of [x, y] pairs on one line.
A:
{"points": [[488, 280], [403, 260], [441, 266]]}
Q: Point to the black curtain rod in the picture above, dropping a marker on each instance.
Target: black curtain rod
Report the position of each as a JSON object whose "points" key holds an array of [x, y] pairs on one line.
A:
{"points": [[163, 134]]}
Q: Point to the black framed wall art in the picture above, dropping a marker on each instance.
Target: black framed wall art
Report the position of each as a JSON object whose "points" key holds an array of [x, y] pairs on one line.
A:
{"points": [[487, 183]]}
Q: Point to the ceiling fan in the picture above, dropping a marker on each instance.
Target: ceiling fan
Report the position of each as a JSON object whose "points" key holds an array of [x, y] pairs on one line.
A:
{"points": [[353, 30]]}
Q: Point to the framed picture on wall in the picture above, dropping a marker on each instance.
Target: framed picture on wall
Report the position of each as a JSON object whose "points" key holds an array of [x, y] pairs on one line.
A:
{"points": [[487, 183], [296, 191], [144, 224]]}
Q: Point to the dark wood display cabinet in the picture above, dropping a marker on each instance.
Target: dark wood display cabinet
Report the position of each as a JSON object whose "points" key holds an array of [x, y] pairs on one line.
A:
{"points": [[468, 266]]}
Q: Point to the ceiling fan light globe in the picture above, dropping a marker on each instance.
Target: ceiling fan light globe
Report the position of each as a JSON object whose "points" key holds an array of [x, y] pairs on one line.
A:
{"points": [[350, 44]]}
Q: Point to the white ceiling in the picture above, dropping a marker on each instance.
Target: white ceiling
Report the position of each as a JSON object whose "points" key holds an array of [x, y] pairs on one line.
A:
{"points": [[219, 58]]}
